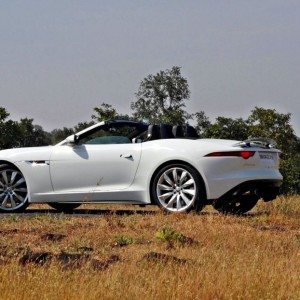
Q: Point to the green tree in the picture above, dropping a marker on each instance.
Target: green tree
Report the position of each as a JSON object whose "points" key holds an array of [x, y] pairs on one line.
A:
{"points": [[3, 114], [82, 125], [3, 128], [223, 128], [31, 135], [20, 134], [9, 134], [203, 124], [58, 135], [107, 112], [104, 112], [271, 124], [161, 98]]}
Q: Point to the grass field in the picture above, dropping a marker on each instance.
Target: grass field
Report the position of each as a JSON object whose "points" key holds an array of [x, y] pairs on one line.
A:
{"points": [[137, 253]]}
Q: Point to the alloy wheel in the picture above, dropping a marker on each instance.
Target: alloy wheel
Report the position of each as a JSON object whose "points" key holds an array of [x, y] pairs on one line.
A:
{"points": [[13, 190], [176, 189]]}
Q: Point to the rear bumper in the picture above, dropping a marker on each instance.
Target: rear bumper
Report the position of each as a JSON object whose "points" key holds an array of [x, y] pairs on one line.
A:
{"points": [[219, 184], [267, 189]]}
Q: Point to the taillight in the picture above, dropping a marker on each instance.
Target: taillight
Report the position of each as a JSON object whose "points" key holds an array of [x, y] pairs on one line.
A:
{"points": [[243, 154]]}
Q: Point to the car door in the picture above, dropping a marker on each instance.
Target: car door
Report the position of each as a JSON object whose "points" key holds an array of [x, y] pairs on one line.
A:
{"points": [[105, 160]]}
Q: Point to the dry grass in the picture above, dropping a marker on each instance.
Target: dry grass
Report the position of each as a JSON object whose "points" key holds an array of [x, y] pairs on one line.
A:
{"points": [[142, 253]]}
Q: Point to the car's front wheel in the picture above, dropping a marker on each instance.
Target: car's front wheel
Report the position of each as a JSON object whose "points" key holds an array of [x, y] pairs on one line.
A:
{"points": [[13, 190], [64, 207], [178, 188]]}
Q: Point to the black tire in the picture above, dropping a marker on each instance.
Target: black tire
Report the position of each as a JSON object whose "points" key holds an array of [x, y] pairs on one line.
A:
{"points": [[238, 203], [13, 190], [64, 207], [197, 201]]}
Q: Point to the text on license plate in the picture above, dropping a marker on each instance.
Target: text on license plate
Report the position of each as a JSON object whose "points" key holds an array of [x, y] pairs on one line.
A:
{"points": [[267, 155]]}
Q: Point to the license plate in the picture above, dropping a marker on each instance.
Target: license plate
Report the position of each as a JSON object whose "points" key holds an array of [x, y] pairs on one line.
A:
{"points": [[267, 155]]}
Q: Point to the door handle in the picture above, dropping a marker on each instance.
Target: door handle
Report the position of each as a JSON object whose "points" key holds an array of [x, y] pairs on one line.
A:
{"points": [[127, 155]]}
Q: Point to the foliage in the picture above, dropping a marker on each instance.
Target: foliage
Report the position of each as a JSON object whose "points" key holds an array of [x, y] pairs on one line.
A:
{"points": [[21, 134], [58, 135], [168, 234], [30, 134], [228, 128], [9, 131], [161, 98], [3, 114], [203, 124], [104, 112], [290, 170], [271, 124], [123, 240], [107, 112], [83, 125]]}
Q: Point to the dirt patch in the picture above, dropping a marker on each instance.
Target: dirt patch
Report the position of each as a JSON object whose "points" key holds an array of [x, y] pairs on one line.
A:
{"points": [[164, 258], [72, 260], [39, 258], [53, 237], [103, 265], [9, 231], [185, 240], [85, 249], [279, 228]]}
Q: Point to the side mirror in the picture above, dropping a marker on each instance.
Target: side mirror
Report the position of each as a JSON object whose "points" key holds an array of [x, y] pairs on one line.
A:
{"points": [[72, 139], [136, 141]]}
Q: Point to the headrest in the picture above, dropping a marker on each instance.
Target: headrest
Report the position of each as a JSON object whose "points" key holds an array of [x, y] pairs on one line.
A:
{"points": [[191, 132], [177, 131], [153, 132], [166, 131], [184, 131]]}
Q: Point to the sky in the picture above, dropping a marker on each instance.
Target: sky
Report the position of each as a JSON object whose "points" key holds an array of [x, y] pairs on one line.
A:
{"points": [[61, 58]]}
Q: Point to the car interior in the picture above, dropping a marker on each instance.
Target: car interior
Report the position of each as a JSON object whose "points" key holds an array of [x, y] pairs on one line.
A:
{"points": [[133, 132], [165, 131]]}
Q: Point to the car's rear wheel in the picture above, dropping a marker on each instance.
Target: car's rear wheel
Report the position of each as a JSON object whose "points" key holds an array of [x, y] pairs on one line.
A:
{"points": [[64, 207], [13, 190], [178, 188], [239, 202]]}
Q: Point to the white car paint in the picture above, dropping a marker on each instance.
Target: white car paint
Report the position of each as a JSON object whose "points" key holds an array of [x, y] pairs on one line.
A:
{"points": [[121, 173]]}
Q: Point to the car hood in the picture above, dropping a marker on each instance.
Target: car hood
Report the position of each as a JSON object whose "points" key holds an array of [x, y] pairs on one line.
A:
{"points": [[24, 154]]}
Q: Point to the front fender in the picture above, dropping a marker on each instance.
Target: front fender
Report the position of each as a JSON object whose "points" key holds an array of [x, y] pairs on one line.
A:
{"points": [[34, 163]]}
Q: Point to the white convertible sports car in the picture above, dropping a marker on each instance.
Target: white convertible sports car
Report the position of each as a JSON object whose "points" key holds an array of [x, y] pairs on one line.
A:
{"points": [[129, 162]]}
